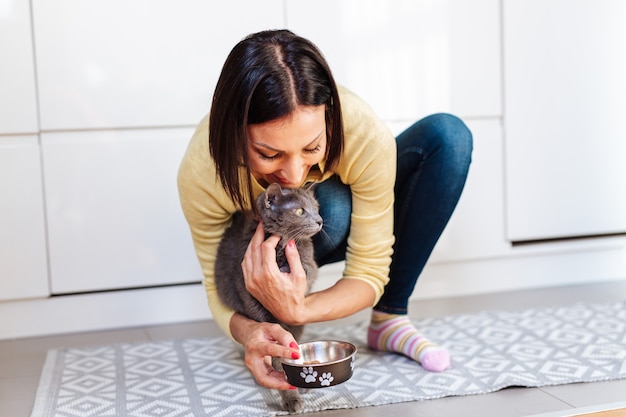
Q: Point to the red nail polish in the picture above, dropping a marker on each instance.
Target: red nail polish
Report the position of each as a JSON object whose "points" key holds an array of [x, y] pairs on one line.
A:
{"points": [[291, 387], [293, 345], [295, 355], [292, 243]]}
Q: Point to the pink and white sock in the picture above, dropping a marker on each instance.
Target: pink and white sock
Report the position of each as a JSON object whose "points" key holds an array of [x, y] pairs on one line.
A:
{"points": [[396, 333]]}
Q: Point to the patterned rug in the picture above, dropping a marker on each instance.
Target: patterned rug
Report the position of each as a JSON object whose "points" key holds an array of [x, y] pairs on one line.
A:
{"points": [[206, 377]]}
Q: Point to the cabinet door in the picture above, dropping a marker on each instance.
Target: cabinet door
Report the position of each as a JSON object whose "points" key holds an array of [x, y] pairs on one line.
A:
{"points": [[139, 63], [18, 108], [476, 229], [114, 217], [410, 58], [565, 117], [23, 265]]}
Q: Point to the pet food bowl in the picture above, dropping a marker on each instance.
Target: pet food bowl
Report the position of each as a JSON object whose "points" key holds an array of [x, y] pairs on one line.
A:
{"points": [[322, 364]]}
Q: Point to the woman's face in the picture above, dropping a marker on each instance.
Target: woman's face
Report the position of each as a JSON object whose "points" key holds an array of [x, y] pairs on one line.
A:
{"points": [[284, 150]]}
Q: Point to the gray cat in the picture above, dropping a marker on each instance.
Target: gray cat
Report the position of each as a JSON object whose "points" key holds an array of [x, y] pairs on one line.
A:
{"points": [[290, 214]]}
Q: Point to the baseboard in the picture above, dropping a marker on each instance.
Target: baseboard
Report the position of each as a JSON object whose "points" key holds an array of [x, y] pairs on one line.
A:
{"points": [[99, 311]]}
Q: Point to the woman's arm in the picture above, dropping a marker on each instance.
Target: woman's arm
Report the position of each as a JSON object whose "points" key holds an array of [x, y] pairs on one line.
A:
{"points": [[343, 299]]}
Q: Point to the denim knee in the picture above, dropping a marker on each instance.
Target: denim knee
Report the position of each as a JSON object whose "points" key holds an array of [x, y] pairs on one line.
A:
{"points": [[452, 136], [442, 137]]}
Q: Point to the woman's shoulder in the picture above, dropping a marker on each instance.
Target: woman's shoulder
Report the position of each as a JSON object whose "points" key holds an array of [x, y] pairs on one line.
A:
{"points": [[360, 123], [369, 146], [351, 103]]}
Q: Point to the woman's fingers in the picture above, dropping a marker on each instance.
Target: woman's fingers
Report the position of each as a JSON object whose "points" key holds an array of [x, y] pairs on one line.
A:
{"points": [[281, 293], [259, 261], [295, 263], [251, 257], [265, 375], [266, 341]]}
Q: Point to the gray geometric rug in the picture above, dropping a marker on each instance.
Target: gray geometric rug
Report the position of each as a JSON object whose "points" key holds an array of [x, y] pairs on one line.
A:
{"points": [[206, 376]]}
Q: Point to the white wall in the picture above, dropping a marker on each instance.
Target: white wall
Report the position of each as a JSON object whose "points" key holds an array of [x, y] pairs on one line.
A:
{"points": [[103, 97]]}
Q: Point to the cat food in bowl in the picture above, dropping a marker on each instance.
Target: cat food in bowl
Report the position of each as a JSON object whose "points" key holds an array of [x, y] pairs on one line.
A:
{"points": [[321, 364]]}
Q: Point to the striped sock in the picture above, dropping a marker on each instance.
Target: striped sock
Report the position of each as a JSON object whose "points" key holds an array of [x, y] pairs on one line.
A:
{"points": [[396, 333]]}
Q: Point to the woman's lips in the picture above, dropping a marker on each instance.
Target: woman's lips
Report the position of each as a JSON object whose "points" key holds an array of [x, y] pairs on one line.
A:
{"points": [[281, 180]]}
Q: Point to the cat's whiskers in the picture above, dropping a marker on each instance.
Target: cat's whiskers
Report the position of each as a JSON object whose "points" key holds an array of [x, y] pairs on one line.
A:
{"points": [[297, 235], [325, 235]]}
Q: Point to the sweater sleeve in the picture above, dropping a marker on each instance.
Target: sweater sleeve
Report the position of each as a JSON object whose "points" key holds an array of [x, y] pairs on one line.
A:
{"points": [[368, 166], [208, 212]]}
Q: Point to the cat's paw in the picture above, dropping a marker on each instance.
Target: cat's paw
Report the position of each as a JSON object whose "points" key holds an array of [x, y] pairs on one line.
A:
{"points": [[308, 374], [292, 401]]}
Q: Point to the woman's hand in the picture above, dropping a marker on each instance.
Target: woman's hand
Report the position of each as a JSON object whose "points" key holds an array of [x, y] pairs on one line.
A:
{"points": [[261, 341], [282, 293]]}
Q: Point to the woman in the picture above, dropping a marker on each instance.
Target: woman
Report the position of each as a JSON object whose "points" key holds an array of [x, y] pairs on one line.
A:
{"points": [[278, 116]]}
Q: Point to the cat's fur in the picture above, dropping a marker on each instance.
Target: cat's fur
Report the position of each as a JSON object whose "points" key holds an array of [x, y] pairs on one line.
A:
{"points": [[290, 214]]}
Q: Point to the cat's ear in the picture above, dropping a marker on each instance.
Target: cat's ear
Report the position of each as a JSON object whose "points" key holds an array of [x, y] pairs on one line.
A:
{"points": [[310, 186], [272, 193]]}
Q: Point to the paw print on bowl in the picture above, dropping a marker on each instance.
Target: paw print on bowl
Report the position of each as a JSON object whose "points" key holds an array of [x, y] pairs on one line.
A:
{"points": [[308, 374], [326, 379]]}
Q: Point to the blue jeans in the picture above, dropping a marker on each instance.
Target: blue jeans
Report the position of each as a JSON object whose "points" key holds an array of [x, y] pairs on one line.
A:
{"points": [[434, 155]]}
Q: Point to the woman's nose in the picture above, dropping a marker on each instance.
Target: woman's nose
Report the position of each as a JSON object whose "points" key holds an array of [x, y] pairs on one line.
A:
{"points": [[294, 171]]}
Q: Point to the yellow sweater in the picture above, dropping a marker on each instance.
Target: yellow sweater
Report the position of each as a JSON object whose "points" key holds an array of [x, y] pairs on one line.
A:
{"points": [[368, 165]]}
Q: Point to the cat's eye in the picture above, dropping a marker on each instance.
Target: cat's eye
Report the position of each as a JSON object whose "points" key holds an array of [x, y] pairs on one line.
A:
{"points": [[299, 211]]}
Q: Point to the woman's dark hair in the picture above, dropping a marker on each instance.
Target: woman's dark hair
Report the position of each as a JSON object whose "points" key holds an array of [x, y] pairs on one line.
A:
{"points": [[265, 77]]}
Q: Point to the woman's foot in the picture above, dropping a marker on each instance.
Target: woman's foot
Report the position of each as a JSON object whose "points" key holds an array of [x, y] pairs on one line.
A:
{"points": [[396, 333]]}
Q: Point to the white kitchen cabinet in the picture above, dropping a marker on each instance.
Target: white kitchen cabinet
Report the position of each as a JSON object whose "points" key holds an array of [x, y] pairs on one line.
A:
{"points": [[18, 104], [114, 217], [476, 228], [565, 119], [23, 265], [144, 63], [410, 58]]}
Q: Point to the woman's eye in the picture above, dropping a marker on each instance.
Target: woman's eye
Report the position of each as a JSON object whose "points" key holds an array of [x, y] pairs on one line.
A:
{"points": [[268, 157], [314, 150], [299, 211]]}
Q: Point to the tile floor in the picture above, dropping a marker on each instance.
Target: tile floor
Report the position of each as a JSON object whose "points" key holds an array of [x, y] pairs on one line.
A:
{"points": [[21, 360]]}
